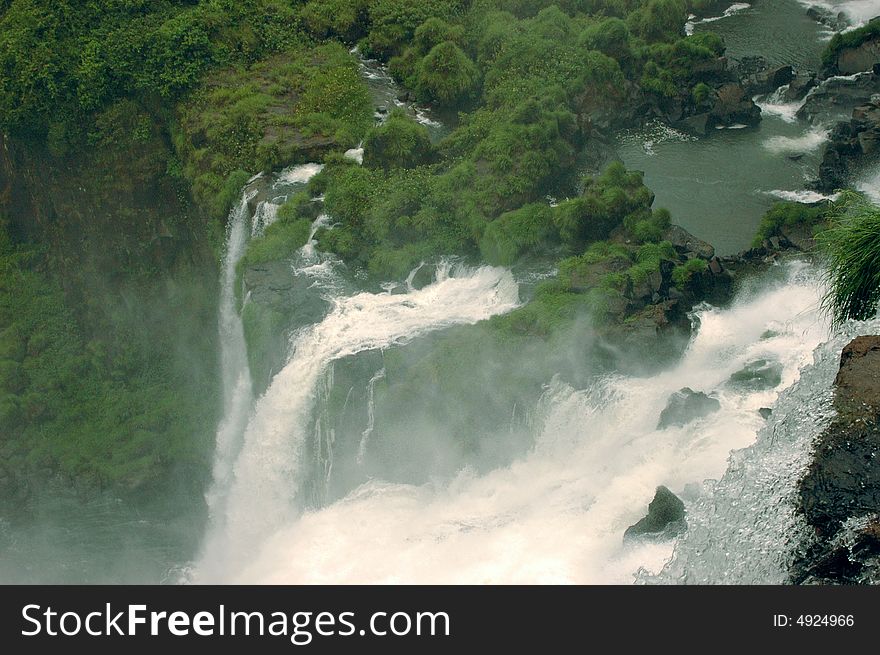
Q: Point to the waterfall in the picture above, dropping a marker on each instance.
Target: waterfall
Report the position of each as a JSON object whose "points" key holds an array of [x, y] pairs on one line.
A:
{"points": [[265, 491], [746, 528], [237, 391], [557, 514]]}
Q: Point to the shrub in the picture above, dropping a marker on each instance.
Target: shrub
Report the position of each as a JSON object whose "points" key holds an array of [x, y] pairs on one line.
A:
{"points": [[852, 249], [526, 230], [446, 76], [399, 142], [683, 275]]}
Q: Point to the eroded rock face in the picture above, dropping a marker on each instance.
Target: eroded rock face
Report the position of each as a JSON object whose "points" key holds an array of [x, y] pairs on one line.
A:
{"points": [[840, 492], [665, 519], [856, 59]]}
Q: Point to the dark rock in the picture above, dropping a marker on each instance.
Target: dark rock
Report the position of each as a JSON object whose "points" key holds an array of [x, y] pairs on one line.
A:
{"points": [[767, 79], [715, 266], [758, 375], [765, 412], [799, 86], [685, 406], [666, 517], [836, 98], [835, 20], [849, 144], [858, 59], [685, 242], [422, 276], [698, 124], [840, 492], [734, 106], [650, 286]]}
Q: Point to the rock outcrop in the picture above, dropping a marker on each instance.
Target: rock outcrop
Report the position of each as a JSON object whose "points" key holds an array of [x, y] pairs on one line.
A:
{"points": [[685, 406], [850, 144], [840, 492], [856, 57], [665, 518]]}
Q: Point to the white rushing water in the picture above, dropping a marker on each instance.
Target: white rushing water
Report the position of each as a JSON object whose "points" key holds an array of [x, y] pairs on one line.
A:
{"points": [[869, 184], [776, 104], [237, 390], [735, 8], [236, 379], [857, 12], [264, 491], [746, 529], [556, 515]]}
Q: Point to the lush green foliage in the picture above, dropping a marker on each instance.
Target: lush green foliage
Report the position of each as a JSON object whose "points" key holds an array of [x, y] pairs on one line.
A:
{"points": [[788, 215], [399, 142], [683, 274], [852, 248], [60, 60], [286, 109], [104, 406]]}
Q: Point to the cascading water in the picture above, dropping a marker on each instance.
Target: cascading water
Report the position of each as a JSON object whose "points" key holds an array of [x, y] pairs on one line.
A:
{"points": [[745, 528], [264, 493], [236, 379], [556, 515], [237, 391]]}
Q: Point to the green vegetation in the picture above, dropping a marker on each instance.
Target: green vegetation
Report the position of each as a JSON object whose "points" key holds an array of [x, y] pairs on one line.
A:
{"points": [[789, 215], [287, 109], [399, 142], [849, 39], [852, 248], [100, 405], [156, 113], [683, 274]]}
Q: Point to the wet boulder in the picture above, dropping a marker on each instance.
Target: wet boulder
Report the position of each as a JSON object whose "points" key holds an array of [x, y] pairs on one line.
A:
{"points": [[665, 518], [734, 106], [800, 86], [687, 244], [685, 406], [758, 375]]}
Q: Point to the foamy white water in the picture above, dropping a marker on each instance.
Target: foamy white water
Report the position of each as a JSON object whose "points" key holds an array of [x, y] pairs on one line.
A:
{"points": [[264, 494], [869, 184], [858, 12], [735, 8], [775, 104], [237, 388], [802, 195], [809, 141], [558, 514], [746, 528]]}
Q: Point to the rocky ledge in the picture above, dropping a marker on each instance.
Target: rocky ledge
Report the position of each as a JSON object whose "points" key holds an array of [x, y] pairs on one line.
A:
{"points": [[851, 144], [840, 493]]}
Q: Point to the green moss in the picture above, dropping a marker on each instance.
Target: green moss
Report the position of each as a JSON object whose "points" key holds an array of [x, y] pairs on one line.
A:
{"points": [[96, 404], [290, 108], [683, 274], [264, 335], [529, 229], [446, 76], [399, 142], [788, 215]]}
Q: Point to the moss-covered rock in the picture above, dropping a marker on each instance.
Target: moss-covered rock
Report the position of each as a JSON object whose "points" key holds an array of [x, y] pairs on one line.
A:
{"points": [[291, 108], [399, 142]]}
